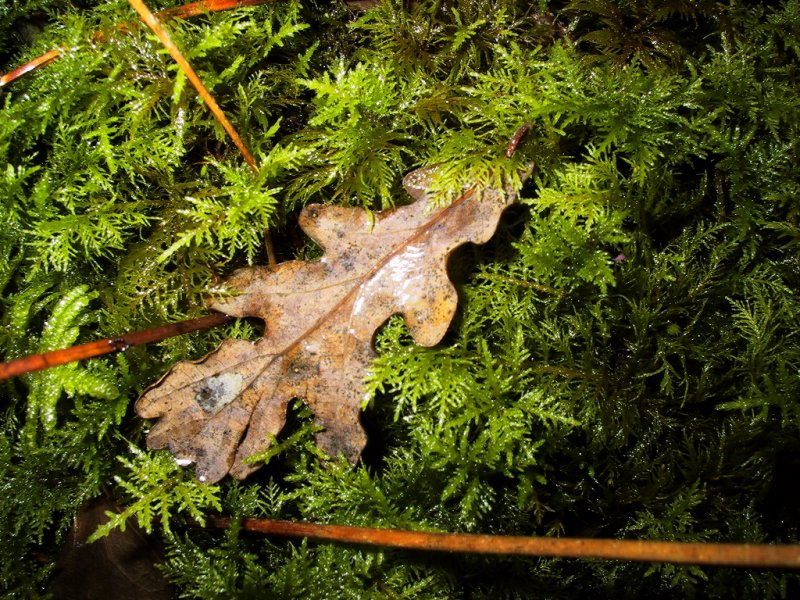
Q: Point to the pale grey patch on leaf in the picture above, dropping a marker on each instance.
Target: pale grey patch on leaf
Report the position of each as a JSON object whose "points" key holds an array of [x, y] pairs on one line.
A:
{"points": [[215, 393]]}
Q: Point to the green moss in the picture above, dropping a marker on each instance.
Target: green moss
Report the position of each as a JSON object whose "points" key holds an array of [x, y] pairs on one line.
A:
{"points": [[625, 359]]}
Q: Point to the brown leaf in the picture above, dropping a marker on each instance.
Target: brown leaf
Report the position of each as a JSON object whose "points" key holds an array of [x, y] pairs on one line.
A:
{"points": [[121, 565], [320, 319]]}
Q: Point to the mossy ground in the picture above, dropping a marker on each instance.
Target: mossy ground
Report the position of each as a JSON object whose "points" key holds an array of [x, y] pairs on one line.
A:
{"points": [[625, 359]]}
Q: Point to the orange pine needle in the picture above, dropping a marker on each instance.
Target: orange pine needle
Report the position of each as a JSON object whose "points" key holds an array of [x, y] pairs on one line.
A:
{"points": [[198, 8], [781, 556], [39, 61]]}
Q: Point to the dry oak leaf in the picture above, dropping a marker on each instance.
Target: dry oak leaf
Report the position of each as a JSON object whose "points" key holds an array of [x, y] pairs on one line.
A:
{"points": [[321, 318]]}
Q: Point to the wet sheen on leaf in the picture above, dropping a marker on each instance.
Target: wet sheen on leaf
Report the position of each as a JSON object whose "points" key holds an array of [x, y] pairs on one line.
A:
{"points": [[321, 318]]}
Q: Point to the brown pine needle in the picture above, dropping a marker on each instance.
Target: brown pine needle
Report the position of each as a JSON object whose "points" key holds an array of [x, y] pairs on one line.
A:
{"points": [[38, 362], [155, 25], [782, 556]]}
